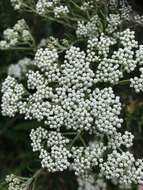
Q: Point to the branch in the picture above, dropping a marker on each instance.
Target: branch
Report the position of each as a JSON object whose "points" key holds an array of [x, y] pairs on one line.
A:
{"points": [[33, 179]]}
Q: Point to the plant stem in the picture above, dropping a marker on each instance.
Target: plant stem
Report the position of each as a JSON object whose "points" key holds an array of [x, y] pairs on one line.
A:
{"points": [[19, 48], [124, 82], [75, 139], [83, 142], [69, 133], [33, 179], [61, 22], [76, 5]]}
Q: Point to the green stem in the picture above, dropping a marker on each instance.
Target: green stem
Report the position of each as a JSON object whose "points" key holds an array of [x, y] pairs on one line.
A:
{"points": [[61, 22], [75, 18], [18, 48], [69, 133], [76, 5], [124, 82], [33, 179], [82, 140], [75, 139], [29, 8]]}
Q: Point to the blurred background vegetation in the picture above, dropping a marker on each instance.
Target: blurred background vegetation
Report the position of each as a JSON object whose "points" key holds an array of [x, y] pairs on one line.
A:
{"points": [[16, 155]]}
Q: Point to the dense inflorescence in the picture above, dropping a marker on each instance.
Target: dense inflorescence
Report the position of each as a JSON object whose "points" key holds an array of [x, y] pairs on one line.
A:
{"points": [[16, 183], [65, 98], [106, 109], [112, 65], [137, 82], [71, 92], [119, 139], [17, 35], [13, 93], [43, 7], [52, 147], [87, 158], [89, 29], [122, 167]]}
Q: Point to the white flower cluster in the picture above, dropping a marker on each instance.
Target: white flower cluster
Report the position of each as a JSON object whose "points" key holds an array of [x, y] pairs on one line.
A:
{"points": [[63, 96], [113, 21], [119, 139], [17, 35], [61, 10], [64, 92], [66, 101], [12, 95], [17, 4], [123, 168], [45, 59], [137, 82], [65, 104], [108, 71], [104, 44], [112, 64], [76, 70], [106, 108], [15, 182], [87, 158], [55, 154], [91, 184], [94, 27], [86, 6], [52, 148], [139, 55], [127, 39], [20, 68], [89, 29], [43, 7]]}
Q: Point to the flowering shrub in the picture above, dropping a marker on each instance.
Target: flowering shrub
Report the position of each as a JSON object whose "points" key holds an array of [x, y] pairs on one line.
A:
{"points": [[70, 90]]}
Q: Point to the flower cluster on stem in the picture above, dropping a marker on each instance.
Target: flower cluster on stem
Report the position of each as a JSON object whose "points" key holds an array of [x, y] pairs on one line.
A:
{"points": [[70, 90]]}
